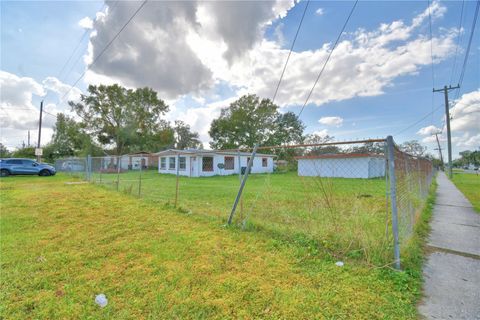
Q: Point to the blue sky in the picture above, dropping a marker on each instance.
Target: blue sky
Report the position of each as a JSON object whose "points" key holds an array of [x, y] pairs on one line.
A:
{"points": [[215, 60]]}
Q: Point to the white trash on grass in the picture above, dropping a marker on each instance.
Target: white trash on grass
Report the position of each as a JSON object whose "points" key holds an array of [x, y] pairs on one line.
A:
{"points": [[339, 263], [101, 300]]}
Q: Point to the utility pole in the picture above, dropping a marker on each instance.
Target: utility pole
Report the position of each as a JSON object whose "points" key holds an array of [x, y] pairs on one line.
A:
{"points": [[447, 120], [40, 128], [439, 149], [28, 144]]}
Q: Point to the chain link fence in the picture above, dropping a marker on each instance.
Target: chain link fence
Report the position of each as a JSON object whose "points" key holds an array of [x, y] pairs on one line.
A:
{"points": [[339, 195]]}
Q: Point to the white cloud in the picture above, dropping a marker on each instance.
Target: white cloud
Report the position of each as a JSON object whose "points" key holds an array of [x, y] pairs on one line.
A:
{"points": [[331, 121], [19, 113], [154, 51], [428, 131], [360, 66], [86, 23], [319, 12], [321, 133], [16, 103], [465, 120]]}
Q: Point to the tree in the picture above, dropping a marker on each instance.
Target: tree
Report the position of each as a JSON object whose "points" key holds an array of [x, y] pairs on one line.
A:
{"points": [[413, 147], [318, 139], [369, 147], [4, 153], [24, 152], [184, 137], [251, 120], [125, 118]]}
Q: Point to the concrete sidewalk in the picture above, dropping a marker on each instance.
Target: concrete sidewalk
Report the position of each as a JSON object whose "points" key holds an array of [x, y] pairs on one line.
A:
{"points": [[452, 268]]}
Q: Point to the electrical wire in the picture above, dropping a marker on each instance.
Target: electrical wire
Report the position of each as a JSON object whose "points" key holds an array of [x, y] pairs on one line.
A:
{"points": [[419, 121], [459, 37], [105, 48], [467, 53], [431, 54], [290, 52], [328, 57]]}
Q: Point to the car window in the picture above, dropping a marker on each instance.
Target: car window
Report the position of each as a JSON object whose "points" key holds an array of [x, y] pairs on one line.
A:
{"points": [[28, 163], [14, 161]]}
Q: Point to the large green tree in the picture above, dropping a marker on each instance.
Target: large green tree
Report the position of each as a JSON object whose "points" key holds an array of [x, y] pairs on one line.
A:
{"points": [[250, 120], [126, 119], [4, 153], [185, 137]]}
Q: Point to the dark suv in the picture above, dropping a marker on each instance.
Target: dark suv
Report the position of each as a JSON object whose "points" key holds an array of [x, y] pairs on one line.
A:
{"points": [[25, 166]]}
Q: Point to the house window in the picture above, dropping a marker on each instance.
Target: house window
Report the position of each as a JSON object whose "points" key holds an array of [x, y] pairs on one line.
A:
{"points": [[207, 164], [229, 163], [163, 163], [182, 163], [171, 163], [264, 162]]}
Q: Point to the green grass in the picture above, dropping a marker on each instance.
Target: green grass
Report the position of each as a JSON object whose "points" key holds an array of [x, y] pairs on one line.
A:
{"points": [[61, 244], [346, 216], [469, 184]]}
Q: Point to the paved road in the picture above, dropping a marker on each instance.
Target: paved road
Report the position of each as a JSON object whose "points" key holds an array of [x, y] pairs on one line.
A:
{"points": [[452, 269]]}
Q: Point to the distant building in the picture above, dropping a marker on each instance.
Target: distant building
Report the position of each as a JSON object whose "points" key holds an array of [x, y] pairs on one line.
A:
{"points": [[204, 163], [349, 165]]}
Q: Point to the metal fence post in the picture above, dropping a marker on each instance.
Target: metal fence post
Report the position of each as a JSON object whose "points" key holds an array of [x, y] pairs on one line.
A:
{"points": [[140, 179], [118, 172], [242, 185], [89, 168], [177, 166], [393, 200], [100, 169]]}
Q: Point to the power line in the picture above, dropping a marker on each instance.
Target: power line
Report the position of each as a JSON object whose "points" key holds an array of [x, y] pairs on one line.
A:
{"points": [[431, 52], [290, 52], [458, 42], [106, 47], [328, 57], [472, 31], [417, 122]]}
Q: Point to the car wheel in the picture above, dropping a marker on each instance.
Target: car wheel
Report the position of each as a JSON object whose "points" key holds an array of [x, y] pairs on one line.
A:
{"points": [[44, 173], [4, 173]]}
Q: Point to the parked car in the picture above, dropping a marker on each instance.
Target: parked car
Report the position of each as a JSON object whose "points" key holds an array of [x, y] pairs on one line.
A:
{"points": [[13, 166]]}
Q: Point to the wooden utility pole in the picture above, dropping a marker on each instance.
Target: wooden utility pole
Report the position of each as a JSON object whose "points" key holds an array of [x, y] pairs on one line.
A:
{"points": [[439, 149], [40, 128], [447, 120]]}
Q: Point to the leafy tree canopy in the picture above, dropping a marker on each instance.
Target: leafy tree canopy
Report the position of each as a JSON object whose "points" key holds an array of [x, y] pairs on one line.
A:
{"points": [[125, 118], [250, 120]]}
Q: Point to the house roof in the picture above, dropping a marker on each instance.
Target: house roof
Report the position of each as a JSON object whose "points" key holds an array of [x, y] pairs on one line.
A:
{"points": [[198, 152], [341, 156]]}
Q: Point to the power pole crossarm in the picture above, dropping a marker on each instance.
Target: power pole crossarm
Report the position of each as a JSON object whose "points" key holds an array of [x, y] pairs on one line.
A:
{"points": [[447, 120]]}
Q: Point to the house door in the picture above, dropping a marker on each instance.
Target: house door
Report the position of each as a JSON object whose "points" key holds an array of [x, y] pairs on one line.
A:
{"points": [[193, 162]]}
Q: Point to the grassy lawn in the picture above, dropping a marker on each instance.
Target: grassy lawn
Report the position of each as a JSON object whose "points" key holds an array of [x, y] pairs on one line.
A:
{"points": [[469, 184], [61, 244], [348, 216]]}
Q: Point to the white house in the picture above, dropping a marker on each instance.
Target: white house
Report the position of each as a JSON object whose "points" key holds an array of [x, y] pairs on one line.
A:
{"points": [[349, 165], [204, 163], [133, 161]]}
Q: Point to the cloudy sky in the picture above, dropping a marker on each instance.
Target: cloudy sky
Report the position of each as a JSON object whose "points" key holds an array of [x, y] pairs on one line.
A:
{"points": [[200, 56]]}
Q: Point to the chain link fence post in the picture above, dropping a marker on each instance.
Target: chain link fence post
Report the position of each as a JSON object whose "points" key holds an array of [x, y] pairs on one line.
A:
{"points": [[242, 185], [393, 200], [118, 172], [177, 166], [140, 178]]}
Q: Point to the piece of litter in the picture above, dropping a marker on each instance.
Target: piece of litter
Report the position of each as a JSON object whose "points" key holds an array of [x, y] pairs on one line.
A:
{"points": [[101, 300], [339, 264]]}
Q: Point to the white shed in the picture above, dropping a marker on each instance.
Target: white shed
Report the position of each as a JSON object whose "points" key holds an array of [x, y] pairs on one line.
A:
{"points": [[205, 163], [348, 165]]}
